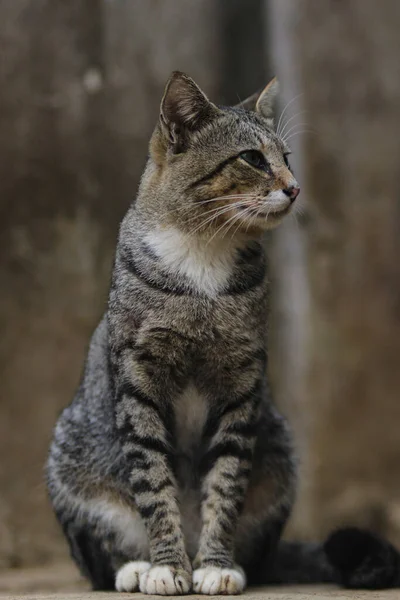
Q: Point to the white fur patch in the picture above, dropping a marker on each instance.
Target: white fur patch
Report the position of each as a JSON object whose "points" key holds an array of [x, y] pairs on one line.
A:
{"points": [[191, 410], [128, 576], [206, 266], [214, 581], [277, 201], [125, 522], [165, 581]]}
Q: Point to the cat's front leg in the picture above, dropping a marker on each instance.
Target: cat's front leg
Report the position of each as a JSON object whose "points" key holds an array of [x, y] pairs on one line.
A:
{"points": [[147, 380], [226, 468]]}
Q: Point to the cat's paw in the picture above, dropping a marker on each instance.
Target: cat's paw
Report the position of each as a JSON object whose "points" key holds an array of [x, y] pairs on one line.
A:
{"points": [[214, 580], [166, 581], [128, 576]]}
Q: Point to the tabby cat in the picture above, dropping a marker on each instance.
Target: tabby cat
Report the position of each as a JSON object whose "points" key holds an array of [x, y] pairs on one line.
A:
{"points": [[171, 470]]}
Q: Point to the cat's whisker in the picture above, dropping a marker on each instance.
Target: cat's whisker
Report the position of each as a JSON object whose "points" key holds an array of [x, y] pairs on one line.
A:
{"points": [[240, 222], [254, 218], [225, 224], [300, 133], [282, 132], [299, 209], [285, 109], [247, 211], [257, 213], [221, 210], [232, 204], [238, 218], [213, 210], [250, 221], [284, 137], [289, 134], [231, 222], [294, 216], [240, 198], [192, 207], [226, 198]]}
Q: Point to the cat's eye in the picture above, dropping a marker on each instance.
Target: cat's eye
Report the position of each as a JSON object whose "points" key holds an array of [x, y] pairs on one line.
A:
{"points": [[255, 159], [286, 159]]}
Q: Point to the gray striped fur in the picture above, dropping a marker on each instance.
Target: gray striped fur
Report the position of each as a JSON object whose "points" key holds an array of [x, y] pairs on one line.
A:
{"points": [[171, 470]]}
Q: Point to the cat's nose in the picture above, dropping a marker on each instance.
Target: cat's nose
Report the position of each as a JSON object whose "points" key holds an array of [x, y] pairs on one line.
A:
{"points": [[293, 191]]}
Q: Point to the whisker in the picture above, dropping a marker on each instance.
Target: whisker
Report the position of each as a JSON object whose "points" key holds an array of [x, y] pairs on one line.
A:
{"points": [[239, 218], [244, 213], [251, 220], [217, 208], [240, 222], [302, 112], [292, 128], [255, 217], [191, 207], [294, 215], [236, 215], [231, 222], [299, 209], [284, 110], [226, 197], [210, 219], [301, 132], [289, 134], [222, 210], [258, 212]]}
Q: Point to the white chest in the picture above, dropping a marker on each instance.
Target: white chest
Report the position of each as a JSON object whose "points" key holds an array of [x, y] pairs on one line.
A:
{"points": [[207, 266]]}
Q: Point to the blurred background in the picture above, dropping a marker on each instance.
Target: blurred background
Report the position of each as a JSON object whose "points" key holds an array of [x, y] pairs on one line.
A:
{"points": [[80, 86]]}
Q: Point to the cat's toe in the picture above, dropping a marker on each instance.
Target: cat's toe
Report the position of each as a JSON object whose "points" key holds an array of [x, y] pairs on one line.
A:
{"points": [[128, 576], [214, 580], [166, 581]]}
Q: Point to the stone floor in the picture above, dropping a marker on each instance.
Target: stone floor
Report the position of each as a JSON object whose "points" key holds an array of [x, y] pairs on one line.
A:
{"points": [[61, 582]]}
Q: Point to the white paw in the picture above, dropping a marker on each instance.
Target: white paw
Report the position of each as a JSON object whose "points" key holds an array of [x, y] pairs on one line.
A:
{"points": [[127, 579], [164, 580], [213, 581]]}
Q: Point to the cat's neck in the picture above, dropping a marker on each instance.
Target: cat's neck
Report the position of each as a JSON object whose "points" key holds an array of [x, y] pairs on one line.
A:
{"points": [[207, 263]]}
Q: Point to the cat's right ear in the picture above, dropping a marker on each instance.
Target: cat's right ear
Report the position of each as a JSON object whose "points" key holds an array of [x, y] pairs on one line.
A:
{"points": [[250, 102], [263, 101], [184, 109]]}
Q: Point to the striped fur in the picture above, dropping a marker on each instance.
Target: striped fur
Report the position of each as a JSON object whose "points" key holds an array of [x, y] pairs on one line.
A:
{"points": [[171, 460]]}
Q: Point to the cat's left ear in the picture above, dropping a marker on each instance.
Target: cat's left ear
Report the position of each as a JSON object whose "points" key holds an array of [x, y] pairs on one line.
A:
{"points": [[263, 102], [184, 109]]}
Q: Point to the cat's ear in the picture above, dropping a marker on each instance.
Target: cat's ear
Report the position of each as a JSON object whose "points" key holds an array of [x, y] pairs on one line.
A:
{"points": [[184, 109], [263, 102], [250, 102]]}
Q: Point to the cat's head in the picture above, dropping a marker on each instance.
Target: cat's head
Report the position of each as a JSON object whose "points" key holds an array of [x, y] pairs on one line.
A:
{"points": [[217, 168]]}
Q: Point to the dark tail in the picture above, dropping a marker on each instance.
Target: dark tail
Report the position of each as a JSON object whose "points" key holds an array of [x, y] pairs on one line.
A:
{"points": [[350, 557]]}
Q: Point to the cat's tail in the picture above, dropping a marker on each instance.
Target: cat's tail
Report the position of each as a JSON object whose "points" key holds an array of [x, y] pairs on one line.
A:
{"points": [[350, 557]]}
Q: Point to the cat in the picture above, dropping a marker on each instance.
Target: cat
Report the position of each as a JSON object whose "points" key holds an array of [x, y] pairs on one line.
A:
{"points": [[172, 470]]}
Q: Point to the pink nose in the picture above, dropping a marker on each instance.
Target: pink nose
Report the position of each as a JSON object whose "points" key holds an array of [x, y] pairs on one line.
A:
{"points": [[292, 191]]}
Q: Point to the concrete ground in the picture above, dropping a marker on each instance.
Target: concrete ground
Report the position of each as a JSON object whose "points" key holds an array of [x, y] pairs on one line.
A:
{"points": [[61, 582]]}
